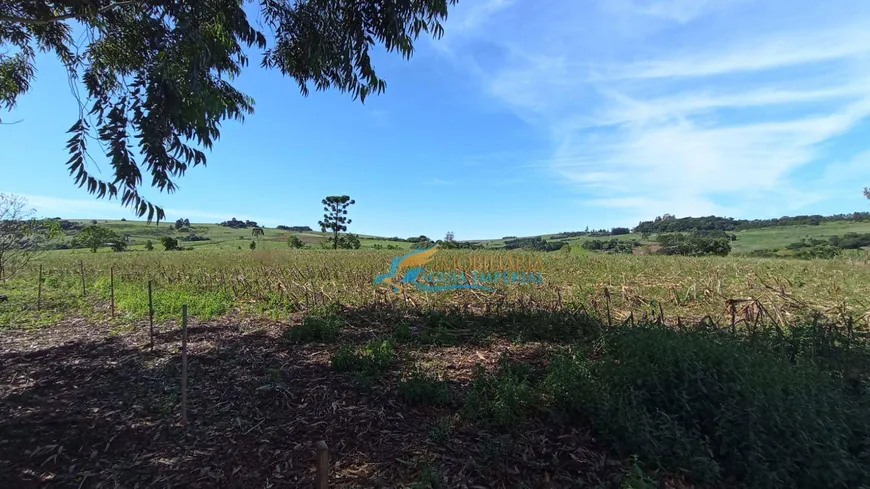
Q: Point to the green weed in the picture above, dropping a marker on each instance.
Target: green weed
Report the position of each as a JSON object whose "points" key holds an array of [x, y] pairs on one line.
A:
{"points": [[419, 387], [442, 429], [320, 329], [706, 404], [370, 360], [503, 398]]}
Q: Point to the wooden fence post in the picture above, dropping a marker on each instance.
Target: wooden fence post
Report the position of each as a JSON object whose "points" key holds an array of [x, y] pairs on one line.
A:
{"points": [[112, 287], [39, 290], [322, 463], [151, 315], [82, 269], [184, 365]]}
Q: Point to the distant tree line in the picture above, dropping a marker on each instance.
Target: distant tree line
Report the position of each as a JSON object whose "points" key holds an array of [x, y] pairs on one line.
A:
{"points": [[533, 243], [599, 233], [295, 229], [348, 241], [670, 224], [236, 224], [194, 237], [694, 244], [378, 246], [814, 248], [611, 246], [421, 241], [458, 245], [66, 225]]}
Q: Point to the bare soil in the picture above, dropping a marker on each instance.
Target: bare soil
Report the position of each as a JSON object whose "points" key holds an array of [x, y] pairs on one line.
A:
{"points": [[88, 405]]}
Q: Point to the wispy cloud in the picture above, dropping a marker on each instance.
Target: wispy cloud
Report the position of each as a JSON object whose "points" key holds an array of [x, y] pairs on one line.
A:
{"points": [[763, 52], [475, 15], [438, 181], [682, 119], [675, 10]]}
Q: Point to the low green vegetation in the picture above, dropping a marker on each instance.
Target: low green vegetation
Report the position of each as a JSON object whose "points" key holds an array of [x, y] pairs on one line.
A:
{"points": [[320, 327], [420, 387], [373, 358], [717, 407], [611, 246]]}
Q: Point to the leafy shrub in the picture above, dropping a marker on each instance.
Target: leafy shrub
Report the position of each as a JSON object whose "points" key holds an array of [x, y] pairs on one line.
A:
{"points": [[611, 246], [694, 244], [169, 243], [348, 241], [316, 328], [764, 253], [346, 359], [850, 241], [635, 478], [503, 398], [443, 428], [712, 407], [823, 251], [419, 387], [534, 243], [194, 237], [402, 332], [294, 242], [235, 224], [370, 360]]}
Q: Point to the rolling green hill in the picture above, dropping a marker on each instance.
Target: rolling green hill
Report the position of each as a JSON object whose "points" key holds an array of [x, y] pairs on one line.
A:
{"points": [[747, 240], [222, 237]]}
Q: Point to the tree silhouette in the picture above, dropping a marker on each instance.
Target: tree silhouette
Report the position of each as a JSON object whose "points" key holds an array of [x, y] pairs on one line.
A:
{"points": [[158, 74], [95, 237], [257, 232], [294, 242], [335, 219], [21, 236]]}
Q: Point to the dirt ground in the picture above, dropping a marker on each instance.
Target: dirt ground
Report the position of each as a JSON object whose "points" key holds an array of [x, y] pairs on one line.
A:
{"points": [[86, 405]]}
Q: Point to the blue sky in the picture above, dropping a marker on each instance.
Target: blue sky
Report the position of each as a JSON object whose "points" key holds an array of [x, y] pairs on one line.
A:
{"points": [[530, 117]]}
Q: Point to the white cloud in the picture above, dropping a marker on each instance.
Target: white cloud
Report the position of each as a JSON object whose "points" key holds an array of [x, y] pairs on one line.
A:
{"points": [[438, 181], [675, 10], [705, 125], [768, 51], [462, 19]]}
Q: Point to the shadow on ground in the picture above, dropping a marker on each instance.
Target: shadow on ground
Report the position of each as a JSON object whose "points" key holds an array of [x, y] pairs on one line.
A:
{"points": [[88, 407]]}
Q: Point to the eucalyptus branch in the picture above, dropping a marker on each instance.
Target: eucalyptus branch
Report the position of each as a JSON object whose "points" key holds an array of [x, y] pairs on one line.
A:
{"points": [[59, 18]]}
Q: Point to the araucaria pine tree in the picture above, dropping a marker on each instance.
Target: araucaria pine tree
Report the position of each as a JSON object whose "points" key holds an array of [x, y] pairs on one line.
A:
{"points": [[335, 218]]}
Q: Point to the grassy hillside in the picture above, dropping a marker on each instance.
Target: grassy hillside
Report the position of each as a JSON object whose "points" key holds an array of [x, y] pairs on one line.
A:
{"points": [[220, 237], [747, 240], [225, 238], [779, 237]]}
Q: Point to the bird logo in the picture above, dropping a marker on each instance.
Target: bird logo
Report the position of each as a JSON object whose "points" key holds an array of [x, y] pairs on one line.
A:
{"points": [[412, 263]]}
